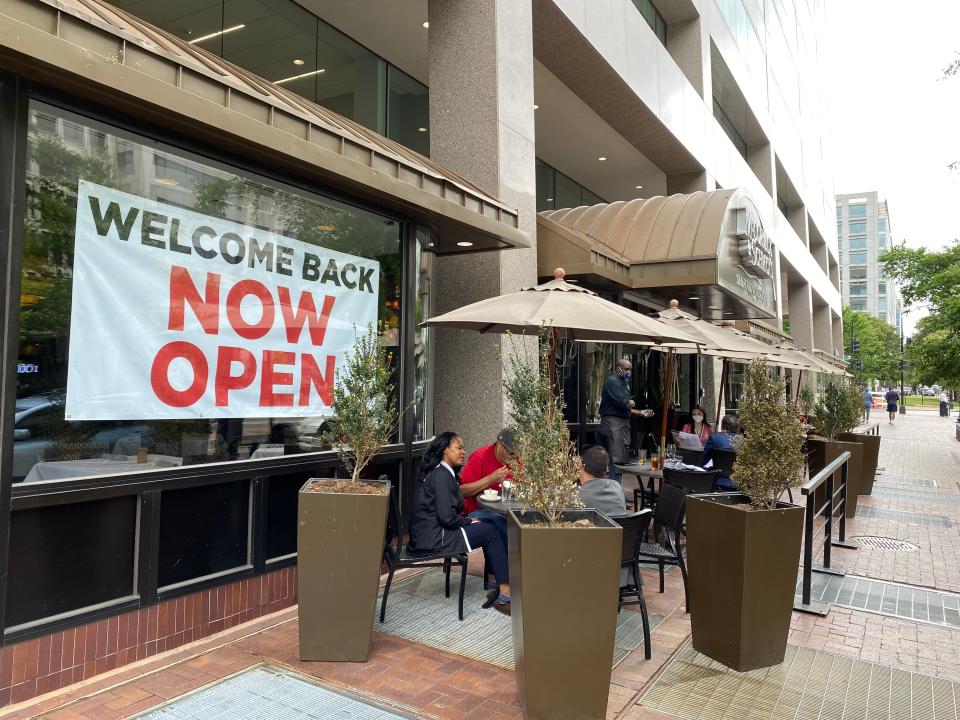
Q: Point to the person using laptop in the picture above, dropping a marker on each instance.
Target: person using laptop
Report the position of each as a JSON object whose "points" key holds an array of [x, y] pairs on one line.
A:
{"points": [[698, 424]]}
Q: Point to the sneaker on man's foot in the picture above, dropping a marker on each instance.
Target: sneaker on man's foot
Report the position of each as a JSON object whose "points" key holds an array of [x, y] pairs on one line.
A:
{"points": [[503, 607]]}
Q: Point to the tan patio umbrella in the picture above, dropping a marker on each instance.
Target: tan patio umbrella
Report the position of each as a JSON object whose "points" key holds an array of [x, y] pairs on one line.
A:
{"points": [[571, 312], [712, 340]]}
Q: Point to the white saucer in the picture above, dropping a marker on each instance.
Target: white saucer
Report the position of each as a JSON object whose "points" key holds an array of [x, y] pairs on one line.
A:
{"points": [[490, 498]]}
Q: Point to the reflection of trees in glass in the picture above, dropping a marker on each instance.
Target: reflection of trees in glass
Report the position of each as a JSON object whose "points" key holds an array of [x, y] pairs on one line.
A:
{"points": [[52, 200]]}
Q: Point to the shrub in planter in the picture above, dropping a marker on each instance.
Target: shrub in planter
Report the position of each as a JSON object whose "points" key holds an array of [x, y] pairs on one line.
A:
{"points": [[838, 412], [744, 548], [342, 523], [564, 562]]}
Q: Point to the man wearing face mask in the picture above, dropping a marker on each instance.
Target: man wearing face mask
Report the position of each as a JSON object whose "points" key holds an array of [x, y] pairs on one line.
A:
{"points": [[616, 409]]}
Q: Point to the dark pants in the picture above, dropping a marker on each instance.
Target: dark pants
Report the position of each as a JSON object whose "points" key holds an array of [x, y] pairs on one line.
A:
{"points": [[499, 521], [944, 409], [485, 535]]}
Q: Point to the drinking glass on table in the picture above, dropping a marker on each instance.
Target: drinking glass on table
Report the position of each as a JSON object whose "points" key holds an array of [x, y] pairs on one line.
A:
{"points": [[505, 488], [655, 461], [641, 457], [671, 451]]}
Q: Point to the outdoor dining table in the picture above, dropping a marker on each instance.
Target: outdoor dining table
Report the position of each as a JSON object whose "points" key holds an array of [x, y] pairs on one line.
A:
{"points": [[642, 472]]}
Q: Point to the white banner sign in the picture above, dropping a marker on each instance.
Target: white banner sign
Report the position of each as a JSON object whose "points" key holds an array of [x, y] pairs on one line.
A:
{"points": [[178, 315]]}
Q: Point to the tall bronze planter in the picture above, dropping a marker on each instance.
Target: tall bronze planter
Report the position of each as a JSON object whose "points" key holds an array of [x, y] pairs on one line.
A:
{"points": [[742, 569], [871, 456], [822, 453], [339, 551], [564, 586]]}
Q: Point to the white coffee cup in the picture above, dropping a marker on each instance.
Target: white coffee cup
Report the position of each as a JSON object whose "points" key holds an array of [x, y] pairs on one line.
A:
{"points": [[490, 494]]}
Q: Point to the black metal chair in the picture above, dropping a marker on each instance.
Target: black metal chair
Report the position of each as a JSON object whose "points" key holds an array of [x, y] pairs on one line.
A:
{"points": [[667, 521], [397, 556], [723, 461], [634, 529], [690, 457], [690, 481]]}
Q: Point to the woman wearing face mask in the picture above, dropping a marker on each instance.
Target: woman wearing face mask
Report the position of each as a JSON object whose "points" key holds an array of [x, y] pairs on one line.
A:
{"points": [[699, 425]]}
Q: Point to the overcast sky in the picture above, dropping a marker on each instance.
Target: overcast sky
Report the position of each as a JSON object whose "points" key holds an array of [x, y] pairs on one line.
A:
{"points": [[895, 125]]}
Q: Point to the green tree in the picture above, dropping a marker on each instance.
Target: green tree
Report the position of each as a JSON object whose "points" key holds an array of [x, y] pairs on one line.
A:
{"points": [[770, 453], [931, 279], [879, 346]]}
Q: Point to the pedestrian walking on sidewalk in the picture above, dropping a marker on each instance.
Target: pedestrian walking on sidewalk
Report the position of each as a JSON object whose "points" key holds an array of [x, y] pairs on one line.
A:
{"points": [[944, 404], [867, 403], [892, 397]]}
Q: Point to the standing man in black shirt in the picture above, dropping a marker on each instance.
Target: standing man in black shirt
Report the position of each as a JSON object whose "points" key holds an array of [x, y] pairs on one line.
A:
{"points": [[616, 409]]}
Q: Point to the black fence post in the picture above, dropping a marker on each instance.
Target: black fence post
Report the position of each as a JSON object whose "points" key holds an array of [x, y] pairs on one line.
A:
{"points": [[808, 550]]}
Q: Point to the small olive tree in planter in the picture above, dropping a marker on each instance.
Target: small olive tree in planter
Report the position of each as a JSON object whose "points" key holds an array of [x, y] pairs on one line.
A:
{"points": [[744, 548], [342, 523], [838, 412], [564, 562]]}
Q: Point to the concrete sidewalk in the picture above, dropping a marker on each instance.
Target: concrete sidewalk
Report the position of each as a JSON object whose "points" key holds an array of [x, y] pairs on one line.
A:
{"points": [[916, 500]]}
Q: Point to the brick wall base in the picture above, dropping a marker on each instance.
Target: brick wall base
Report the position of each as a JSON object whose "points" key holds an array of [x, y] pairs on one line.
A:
{"points": [[48, 663]]}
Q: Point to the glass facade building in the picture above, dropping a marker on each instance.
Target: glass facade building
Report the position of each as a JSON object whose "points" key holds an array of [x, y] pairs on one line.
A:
{"points": [[863, 229]]}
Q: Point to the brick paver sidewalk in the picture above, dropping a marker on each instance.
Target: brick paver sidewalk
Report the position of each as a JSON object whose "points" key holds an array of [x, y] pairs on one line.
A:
{"points": [[917, 499]]}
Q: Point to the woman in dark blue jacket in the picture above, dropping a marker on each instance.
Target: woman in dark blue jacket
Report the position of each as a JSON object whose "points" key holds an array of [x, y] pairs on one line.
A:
{"points": [[438, 528]]}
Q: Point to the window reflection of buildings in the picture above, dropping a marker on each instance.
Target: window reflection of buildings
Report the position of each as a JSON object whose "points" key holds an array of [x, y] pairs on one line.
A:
{"points": [[63, 149]]}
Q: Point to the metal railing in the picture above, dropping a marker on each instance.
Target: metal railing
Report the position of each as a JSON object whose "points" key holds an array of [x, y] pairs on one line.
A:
{"points": [[827, 511]]}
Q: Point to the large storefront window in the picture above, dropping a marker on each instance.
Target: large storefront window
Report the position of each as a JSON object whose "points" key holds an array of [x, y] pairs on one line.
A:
{"points": [[175, 312], [290, 46], [422, 339], [597, 366]]}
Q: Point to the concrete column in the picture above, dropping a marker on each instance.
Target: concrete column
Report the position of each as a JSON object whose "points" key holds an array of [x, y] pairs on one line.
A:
{"points": [[836, 322], [688, 43], [822, 328], [482, 127], [686, 183], [801, 314], [761, 159]]}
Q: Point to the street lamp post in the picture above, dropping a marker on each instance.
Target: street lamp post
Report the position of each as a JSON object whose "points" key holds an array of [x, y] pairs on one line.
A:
{"points": [[903, 398]]}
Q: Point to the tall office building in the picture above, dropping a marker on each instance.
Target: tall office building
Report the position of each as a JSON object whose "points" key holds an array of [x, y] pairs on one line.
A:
{"points": [[864, 233], [375, 161]]}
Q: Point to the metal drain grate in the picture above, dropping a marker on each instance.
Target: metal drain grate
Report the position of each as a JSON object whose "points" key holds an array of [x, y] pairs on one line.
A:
{"points": [[884, 543], [809, 684], [485, 635], [886, 598], [268, 692], [914, 518], [916, 496], [903, 480]]}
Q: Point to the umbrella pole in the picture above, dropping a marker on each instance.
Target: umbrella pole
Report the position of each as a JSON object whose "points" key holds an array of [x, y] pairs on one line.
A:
{"points": [[723, 385], [667, 399], [796, 393]]}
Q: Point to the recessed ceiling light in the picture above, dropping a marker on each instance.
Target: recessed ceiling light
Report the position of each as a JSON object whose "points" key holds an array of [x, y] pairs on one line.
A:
{"points": [[465, 243], [426, 24], [298, 77], [714, 307], [549, 199], [639, 187], [602, 158], [695, 299], [421, 129], [298, 61], [536, 107], [166, 181]]}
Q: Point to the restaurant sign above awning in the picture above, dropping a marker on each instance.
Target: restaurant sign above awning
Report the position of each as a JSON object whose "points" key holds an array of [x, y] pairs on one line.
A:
{"points": [[710, 249]]}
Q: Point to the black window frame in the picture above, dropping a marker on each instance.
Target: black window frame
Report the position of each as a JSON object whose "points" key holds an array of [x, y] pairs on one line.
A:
{"points": [[16, 92]]}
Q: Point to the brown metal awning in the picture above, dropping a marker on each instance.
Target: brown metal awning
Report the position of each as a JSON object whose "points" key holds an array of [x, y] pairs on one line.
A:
{"points": [[106, 55], [695, 244]]}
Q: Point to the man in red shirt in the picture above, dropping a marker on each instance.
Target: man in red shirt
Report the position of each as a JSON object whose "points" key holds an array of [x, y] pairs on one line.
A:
{"points": [[487, 467]]}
